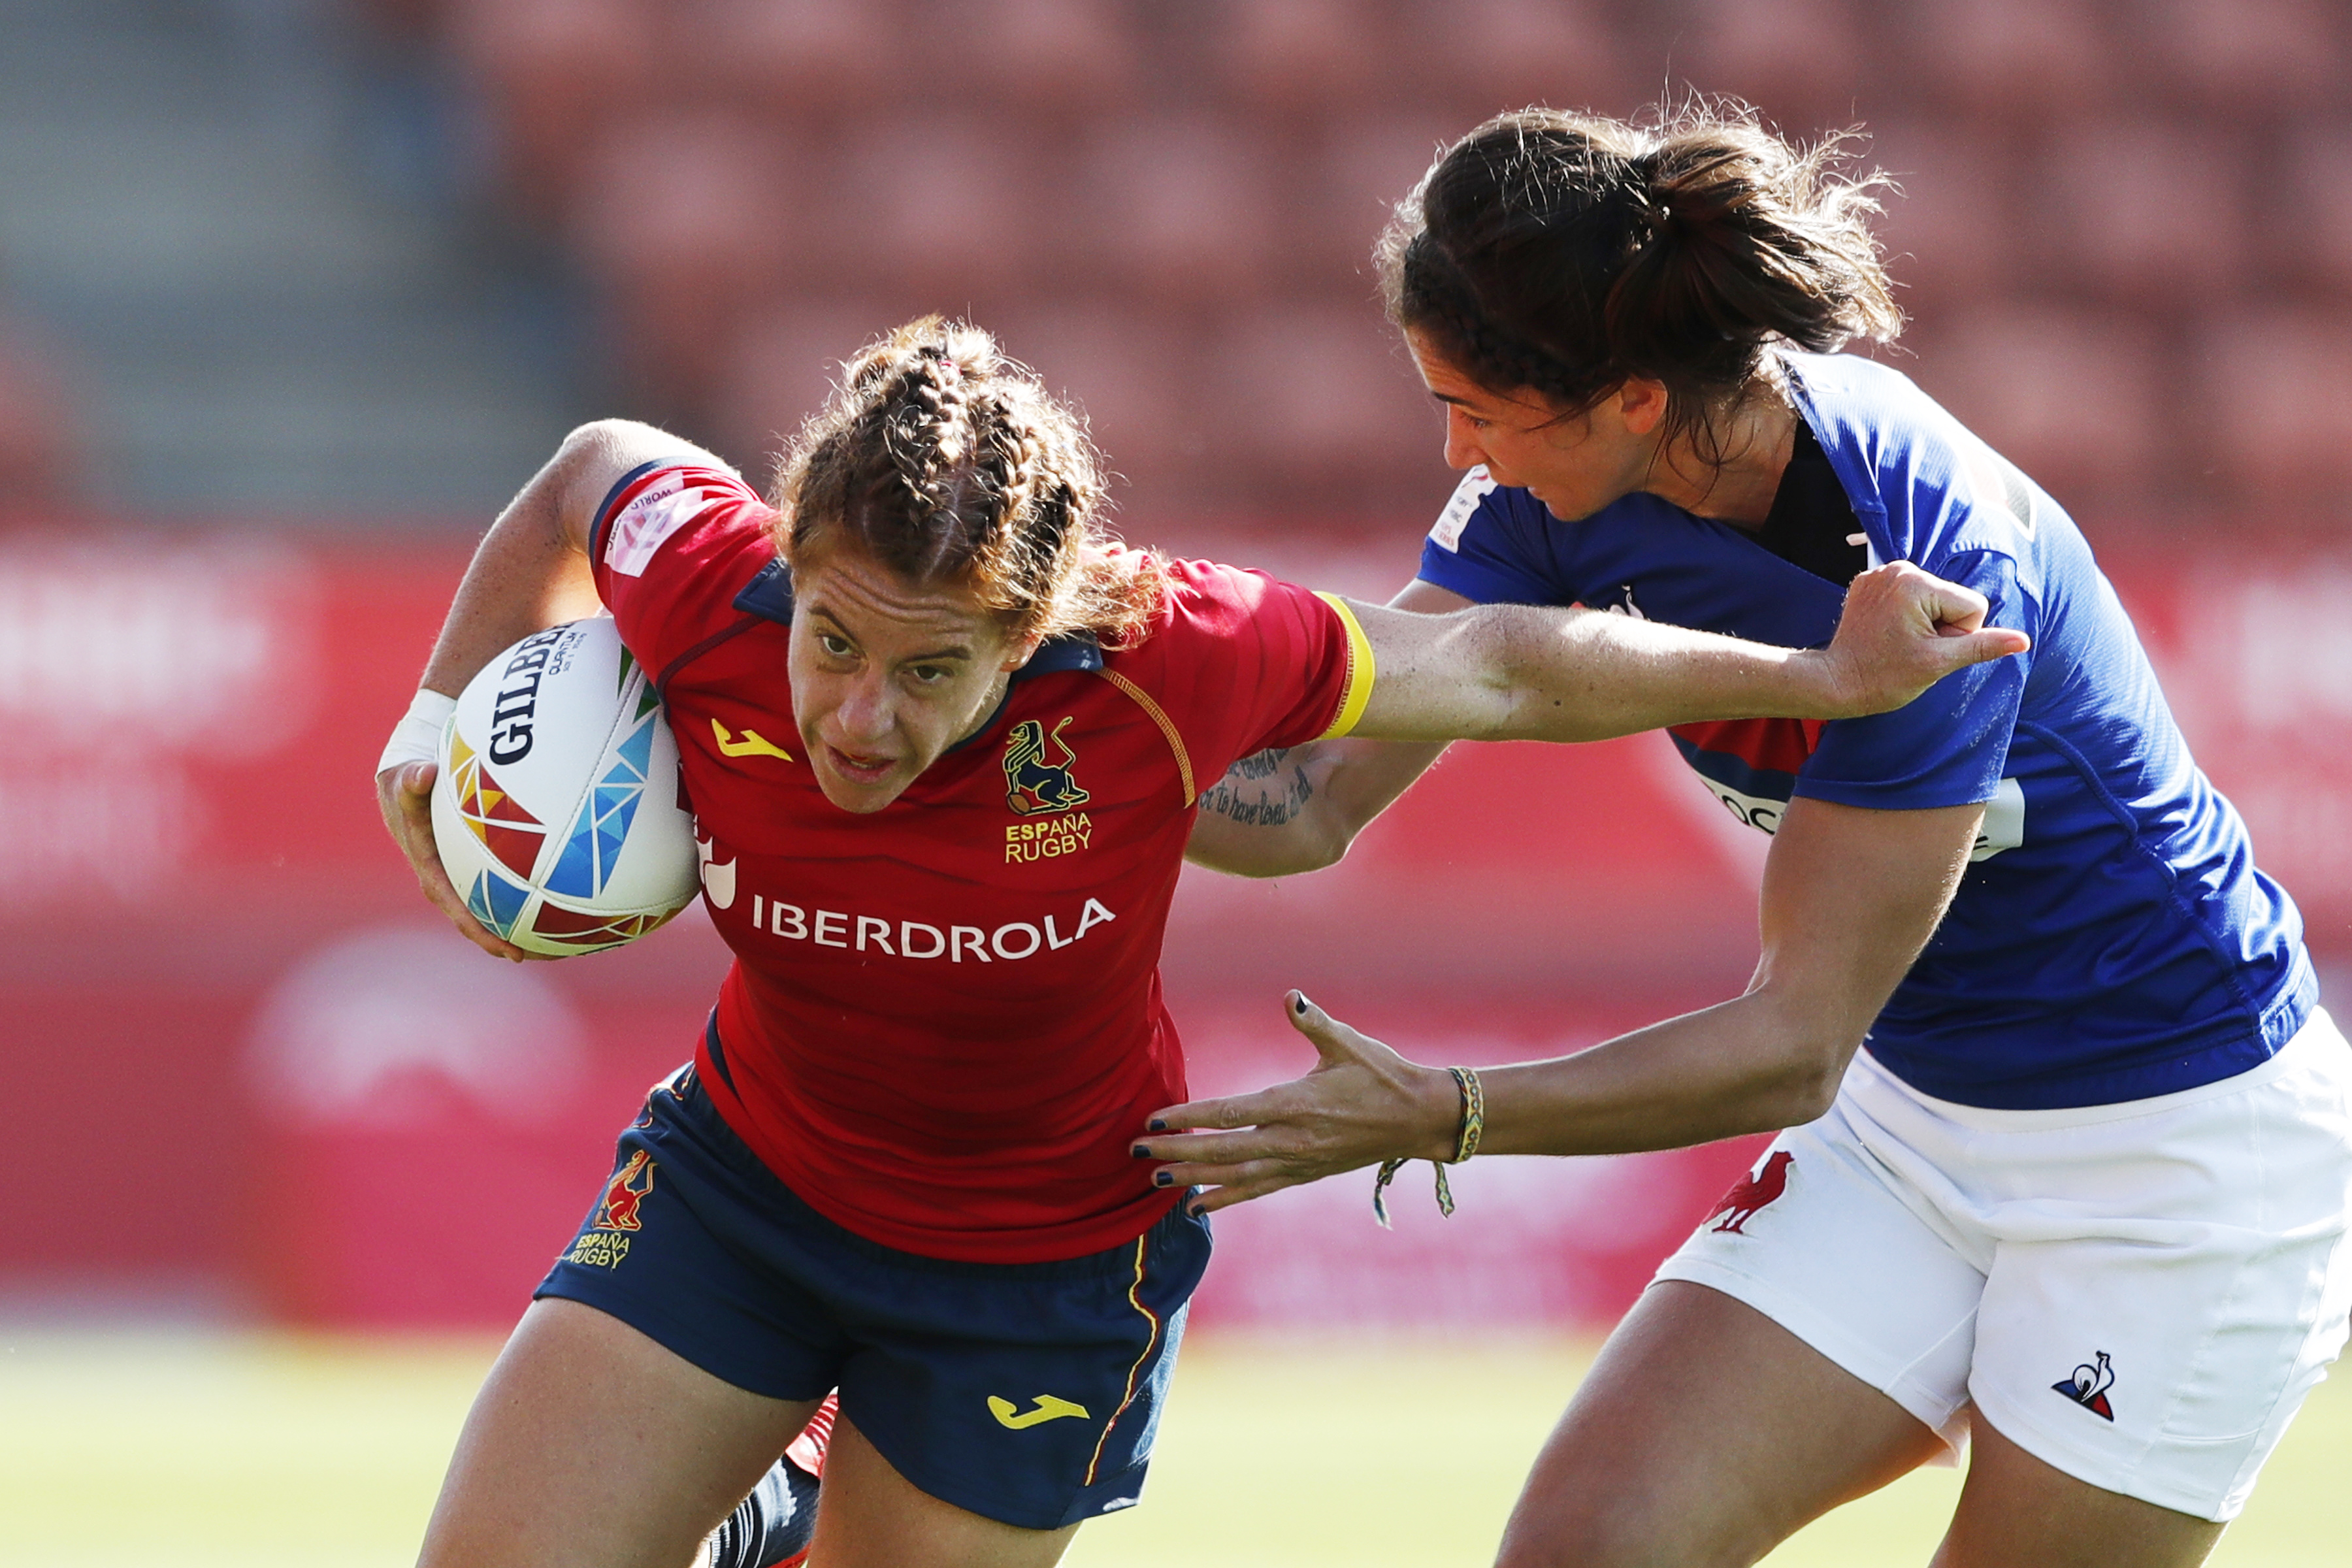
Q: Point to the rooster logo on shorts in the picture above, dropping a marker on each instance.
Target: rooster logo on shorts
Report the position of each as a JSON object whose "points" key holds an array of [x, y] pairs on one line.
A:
{"points": [[2088, 1387], [623, 1193], [1753, 1193]]}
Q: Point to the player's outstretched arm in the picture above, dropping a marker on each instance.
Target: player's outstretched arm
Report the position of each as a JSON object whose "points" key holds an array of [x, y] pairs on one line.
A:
{"points": [[1516, 673], [1850, 896], [1296, 809], [530, 571]]}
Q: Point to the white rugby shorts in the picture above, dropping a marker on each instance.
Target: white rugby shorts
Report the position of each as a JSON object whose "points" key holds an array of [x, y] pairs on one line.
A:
{"points": [[2138, 1294]]}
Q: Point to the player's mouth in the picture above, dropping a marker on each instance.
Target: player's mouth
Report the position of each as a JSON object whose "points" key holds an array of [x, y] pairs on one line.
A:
{"points": [[856, 769]]}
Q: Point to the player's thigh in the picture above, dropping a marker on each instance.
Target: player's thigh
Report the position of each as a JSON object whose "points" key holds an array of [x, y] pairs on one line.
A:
{"points": [[869, 1516], [2017, 1509], [1705, 1433], [590, 1444]]}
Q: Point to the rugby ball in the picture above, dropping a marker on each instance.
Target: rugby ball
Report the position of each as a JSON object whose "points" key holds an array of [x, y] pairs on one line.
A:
{"points": [[556, 810]]}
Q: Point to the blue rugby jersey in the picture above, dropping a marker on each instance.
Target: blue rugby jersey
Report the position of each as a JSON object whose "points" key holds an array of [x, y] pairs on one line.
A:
{"points": [[2112, 938]]}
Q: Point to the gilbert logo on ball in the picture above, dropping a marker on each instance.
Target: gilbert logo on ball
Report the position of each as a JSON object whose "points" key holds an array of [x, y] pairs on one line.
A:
{"points": [[555, 811]]}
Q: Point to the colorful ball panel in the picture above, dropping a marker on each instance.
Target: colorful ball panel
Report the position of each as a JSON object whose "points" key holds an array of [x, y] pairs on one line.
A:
{"points": [[555, 812]]}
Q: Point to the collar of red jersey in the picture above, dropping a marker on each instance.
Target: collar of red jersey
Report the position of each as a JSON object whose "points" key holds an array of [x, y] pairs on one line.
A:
{"points": [[769, 595]]}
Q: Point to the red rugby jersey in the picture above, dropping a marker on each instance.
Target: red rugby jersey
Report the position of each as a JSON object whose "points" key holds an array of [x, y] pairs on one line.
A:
{"points": [[944, 1026]]}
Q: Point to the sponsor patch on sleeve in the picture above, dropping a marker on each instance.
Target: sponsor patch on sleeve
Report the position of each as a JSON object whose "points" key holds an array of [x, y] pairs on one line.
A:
{"points": [[655, 513], [1475, 485]]}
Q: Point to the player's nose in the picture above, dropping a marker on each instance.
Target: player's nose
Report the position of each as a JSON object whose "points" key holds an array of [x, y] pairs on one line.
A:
{"points": [[864, 713], [1462, 449]]}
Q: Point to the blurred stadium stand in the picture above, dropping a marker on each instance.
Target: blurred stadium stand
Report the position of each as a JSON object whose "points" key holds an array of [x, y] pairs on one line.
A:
{"points": [[2114, 214], [2108, 211], [360, 262], [252, 314]]}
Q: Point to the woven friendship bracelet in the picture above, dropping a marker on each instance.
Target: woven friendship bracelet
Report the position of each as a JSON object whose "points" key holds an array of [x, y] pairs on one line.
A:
{"points": [[1466, 1143], [1473, 1113]]}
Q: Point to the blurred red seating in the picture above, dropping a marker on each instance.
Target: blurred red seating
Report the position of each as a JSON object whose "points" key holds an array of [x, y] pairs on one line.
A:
{"points": [[1135, 374], [2015, 64], [1300, 60], [2309, 229], [795, 60], [1177, 209], [1367, 164], [781, 365], [1050, 59], [685, 219], [2145, 211], [2245, 59], [2270, 398], [555, 75], [951, 206], [1948, 231], [1098, 177], [1801, 61], [2078, 401], [1489, 56], [1323, 396]]}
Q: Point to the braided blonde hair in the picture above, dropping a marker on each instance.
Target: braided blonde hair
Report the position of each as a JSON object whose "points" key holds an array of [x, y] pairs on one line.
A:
{"points": [[943, 460]]}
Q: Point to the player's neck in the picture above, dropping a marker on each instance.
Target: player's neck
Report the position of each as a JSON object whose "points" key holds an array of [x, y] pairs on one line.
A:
{"points": [[1732, 473], [990, 706]]}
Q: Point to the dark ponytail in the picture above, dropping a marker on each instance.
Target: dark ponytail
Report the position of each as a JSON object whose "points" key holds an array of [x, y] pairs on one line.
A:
{"points": [[1565, 253]]}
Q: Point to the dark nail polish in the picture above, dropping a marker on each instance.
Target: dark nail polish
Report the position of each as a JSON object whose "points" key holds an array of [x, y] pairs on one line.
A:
{"points": [[1163, 1179], [1140, 1153], [1155, 1125], [1299, 1006], [1196, 1211]]}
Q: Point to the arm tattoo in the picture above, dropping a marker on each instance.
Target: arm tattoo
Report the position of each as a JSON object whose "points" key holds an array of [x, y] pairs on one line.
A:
{"points": [[1255, 794]]}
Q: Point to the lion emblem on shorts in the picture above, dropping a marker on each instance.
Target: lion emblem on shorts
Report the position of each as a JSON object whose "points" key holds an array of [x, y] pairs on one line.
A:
{"points": [[629, 1188]]}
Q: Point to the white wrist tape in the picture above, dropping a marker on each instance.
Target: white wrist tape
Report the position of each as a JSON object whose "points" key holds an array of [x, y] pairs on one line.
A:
{"points": [[417, 737]]}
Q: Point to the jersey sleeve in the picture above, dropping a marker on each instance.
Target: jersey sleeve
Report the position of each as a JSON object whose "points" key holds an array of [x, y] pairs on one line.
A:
{"points": [[1948, 746], [1244, 662], [1480, 547], [671, 545]]}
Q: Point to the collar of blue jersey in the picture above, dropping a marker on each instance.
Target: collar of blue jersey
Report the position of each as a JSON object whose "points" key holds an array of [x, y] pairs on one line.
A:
{"points": [[769, 595]]}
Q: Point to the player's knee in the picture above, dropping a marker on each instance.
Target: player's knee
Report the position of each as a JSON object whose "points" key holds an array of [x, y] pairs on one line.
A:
{"points": [[1569, 1531], [1594, 1529]]}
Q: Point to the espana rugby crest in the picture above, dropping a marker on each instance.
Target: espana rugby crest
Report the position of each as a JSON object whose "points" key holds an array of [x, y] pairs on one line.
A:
{"points": [[1034, 787]]}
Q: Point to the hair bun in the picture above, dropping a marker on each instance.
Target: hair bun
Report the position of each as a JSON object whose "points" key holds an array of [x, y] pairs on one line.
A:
{"points": [[1553, 279]]}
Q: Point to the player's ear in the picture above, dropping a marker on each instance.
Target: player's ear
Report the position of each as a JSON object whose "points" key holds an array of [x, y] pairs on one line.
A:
{"points": [[1023, 649], [1641, 403]]}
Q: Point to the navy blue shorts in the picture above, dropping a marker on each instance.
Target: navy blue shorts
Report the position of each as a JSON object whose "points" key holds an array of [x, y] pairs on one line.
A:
{"points": [[1028, 1392]]}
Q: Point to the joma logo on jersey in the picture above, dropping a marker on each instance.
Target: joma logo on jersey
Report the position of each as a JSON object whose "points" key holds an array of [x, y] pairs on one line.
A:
{"points": [[1033, 786]]}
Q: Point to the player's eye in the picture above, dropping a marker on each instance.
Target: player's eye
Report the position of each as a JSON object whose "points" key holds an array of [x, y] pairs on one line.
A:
{"points": [[834, 647], [929, 674]]}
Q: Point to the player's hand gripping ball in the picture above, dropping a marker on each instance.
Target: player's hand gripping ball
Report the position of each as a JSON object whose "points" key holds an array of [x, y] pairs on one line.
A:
{"points": [[556, 808]]}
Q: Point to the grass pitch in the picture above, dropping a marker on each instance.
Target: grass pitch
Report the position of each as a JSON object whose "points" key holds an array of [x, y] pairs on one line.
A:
{"points": [[196, 1451]]}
